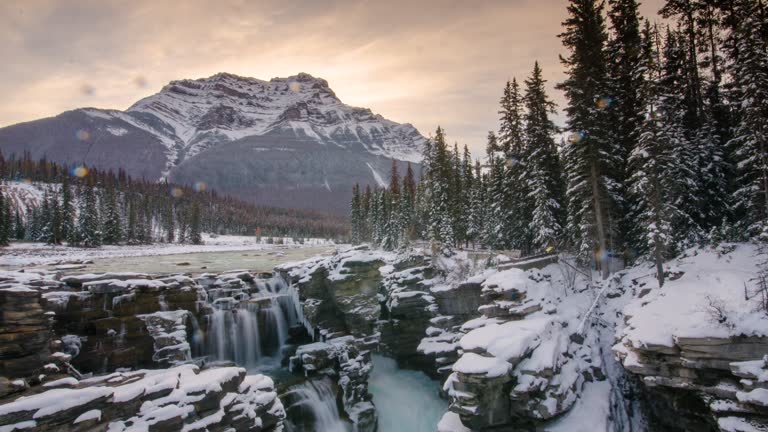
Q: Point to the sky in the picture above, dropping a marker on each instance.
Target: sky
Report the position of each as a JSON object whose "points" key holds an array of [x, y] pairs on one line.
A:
{"points": [[425, 62]]}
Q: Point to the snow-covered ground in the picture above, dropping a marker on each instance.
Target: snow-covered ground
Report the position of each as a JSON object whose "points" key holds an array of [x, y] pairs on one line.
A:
{"points": [[36, 254]]}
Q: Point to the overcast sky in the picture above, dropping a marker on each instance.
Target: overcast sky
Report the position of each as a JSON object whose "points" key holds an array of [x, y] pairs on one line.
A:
{"points": [[423, 62]]}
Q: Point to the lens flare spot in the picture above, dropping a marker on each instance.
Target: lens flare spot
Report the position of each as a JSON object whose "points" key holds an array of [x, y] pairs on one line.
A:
{"points": [[576, 137], [83, 135], [604, 102], [140, 81], [87, 90], [200, 186], [294, 87], [512, 161], [176, 192], [80, 171]]}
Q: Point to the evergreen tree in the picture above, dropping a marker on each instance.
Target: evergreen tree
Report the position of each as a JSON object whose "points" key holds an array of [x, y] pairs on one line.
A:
{"points": [[18, 226], [88, 223], [747, 50], [440, 227], [478, 205], [650, 161], [356, 217], [168, 223], [43, 229], [112, 231], [685, 194], [625, 110], [495, 231], [408, 204], [67, 209], [195, 229], [541, 167], [590, 156], [513, 210], [5, 221]]}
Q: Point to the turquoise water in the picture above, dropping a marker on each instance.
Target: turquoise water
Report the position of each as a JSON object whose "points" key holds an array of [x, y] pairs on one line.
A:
{"points": [[406, 400]]}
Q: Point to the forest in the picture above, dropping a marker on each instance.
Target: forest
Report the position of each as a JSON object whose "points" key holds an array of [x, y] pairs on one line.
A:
{"points": [[664, 147], [87, 207]]}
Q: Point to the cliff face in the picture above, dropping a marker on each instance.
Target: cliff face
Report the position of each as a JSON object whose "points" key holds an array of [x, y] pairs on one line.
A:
{"points": [[699, 344]]}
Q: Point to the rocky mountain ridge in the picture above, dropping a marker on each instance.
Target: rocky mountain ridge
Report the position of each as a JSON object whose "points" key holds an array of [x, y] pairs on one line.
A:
{"points": [[288, 141]]}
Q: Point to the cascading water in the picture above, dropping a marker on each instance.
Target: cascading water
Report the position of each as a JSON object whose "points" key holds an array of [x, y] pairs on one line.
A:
{"points": [[311, 406], [250, 324]]}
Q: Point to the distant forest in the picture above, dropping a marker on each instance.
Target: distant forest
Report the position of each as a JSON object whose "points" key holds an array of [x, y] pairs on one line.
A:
{"points": [[88, 207]]}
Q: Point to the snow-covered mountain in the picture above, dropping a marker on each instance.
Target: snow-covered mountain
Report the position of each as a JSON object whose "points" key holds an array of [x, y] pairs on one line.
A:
{"points": [[287, 141]]}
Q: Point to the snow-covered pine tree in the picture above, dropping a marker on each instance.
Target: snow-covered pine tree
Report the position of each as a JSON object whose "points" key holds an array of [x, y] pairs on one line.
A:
{"points": [[590, 156], [55, 221], [355, 215], [495, 229], [457, 198], [5, 221], [67, 209], [625, 110], [440, 173], [195, 227], [393, 224], [408, 205], [514, 206], [365, 214], [169, 223], [703, 123], [478, 206], [468, 182], [88, 221], [650, 161], [683, 170], [747, 51], [44, 220], [112, 230], [541, 168], [19, 228], [377, 217], [132, 220]]}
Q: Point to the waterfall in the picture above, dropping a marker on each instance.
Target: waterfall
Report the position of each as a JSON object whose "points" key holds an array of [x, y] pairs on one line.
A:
{"points": [[311, 406], [250, 324]]}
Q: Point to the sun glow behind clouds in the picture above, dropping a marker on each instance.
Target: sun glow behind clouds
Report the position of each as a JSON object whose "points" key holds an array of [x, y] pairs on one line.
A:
{"points": [[427, 62]]}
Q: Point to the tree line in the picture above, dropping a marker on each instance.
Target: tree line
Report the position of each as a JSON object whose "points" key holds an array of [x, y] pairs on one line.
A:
{"points": [[88, 207], [664, 148]]}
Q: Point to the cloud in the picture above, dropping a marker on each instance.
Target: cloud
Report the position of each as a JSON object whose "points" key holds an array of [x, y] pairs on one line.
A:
{"points": [[425, 62]]}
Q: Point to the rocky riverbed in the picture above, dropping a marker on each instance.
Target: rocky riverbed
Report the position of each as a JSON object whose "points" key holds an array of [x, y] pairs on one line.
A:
{"points": [[530, 345]]}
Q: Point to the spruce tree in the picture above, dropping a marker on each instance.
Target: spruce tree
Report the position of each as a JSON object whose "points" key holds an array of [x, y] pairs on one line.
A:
{"points": [[650, 162], [440, 227], [685, 193], [625, 110], [67, 209], [408, 206], [112, 231], [18, 226], [195, 227], [747, 50], [355, 216], [590, 156], [5, 221], [88, 223], [541, 167], [495, 232], [513, 212]]}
